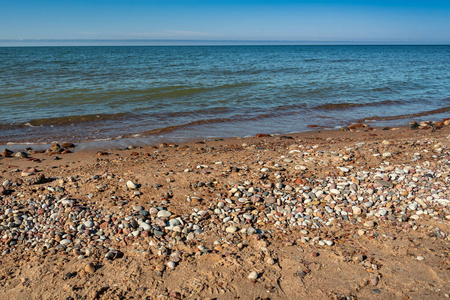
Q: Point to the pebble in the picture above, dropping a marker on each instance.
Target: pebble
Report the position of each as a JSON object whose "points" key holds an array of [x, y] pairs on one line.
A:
{"points": [[335, 191], [145, 226], [253, 275], [164, 214], [356, 210], [65, 242], [231, 229], [369, 224], [131, 185], [374, 281], [90, 268], [344, 169]]}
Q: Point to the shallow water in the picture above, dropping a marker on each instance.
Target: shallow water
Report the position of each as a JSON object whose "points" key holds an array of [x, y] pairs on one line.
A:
{"points": [[180, 92]]}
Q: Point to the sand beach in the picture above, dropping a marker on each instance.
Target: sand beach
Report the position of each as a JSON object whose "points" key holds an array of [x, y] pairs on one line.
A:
{"points": [[357, 214]]}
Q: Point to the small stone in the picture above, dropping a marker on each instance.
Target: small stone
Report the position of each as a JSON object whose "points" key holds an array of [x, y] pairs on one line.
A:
{"points": [[67, 145], [270, 261], [301, 274], [110, 255], [137, 208], [335, 191], [90, 268], [413, 206], [160, 267], [420, 257], [231, 229], [369, 224], [164, 214], [329, 242], [253, 275], [65, 242], [131, 185], [356, 210], [171, 264], [384, 183], [374, 281], [358, 258], [145, 226]]}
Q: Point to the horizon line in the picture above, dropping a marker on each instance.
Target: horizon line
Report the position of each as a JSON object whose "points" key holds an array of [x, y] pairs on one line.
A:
{"points": [[228, 41]]}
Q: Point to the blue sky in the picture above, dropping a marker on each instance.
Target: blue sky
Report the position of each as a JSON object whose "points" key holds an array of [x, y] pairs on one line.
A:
{"points": [[323, 20]]}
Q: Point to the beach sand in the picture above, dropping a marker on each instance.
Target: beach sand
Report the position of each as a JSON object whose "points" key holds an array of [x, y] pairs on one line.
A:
{"points": [[316, 215]]}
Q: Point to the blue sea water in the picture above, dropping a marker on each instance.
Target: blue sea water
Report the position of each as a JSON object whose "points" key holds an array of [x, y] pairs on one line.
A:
{"points": [[177, 92]]}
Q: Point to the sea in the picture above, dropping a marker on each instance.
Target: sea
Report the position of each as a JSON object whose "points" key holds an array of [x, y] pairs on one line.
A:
{"points": [[150, 94]]}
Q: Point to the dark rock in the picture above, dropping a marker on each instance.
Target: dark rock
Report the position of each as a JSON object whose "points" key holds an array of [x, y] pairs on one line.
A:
{"points": [[67, 145]]}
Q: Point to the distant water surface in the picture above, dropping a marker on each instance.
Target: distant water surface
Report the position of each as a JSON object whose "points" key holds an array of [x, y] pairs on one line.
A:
{"points": [[177, 92]]}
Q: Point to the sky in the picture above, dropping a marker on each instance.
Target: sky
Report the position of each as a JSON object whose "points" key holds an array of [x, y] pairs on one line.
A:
{"points": [[385, 21]]}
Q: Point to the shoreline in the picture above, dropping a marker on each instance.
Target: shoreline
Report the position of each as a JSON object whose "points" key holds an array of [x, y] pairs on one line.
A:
{"points": [[138, 140], [222, 127]]}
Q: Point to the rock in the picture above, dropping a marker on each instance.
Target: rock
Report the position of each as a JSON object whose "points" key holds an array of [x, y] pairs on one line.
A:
{"points": [[69, 275], [164, 214], [382, 212], [28, 172], [145, 226], [413, 206], [131, 185], [65, 242], [329, 242], [137, 208], [55, 147], [174, 222], [369, 224], [171, 265], [335, 191], [158, 232], [253, 275], [270, 261], [368, 204], [175, 295], [3, 191], [231, 229], [344, 169], [40, 179], [374, 281], [356, 210], [357, 258], [90, 268], [355, 126], [420, 257], [21, 154], [67, 145], [113, 254], [7, 153], [384, 183]]}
